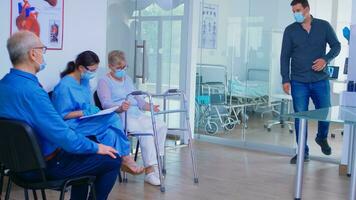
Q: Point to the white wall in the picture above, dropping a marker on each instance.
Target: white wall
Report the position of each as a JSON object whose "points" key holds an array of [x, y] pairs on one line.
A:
{"points": [[4, 34], [84, 29]]}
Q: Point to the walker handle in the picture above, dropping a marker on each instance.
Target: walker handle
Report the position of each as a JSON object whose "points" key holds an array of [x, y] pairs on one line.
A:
{"points": [[136, 93], [173, 91]]}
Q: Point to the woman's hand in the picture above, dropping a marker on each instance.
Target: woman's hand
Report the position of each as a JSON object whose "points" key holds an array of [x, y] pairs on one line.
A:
{"points": [[155, 107], [124, 106], [74, 115]]}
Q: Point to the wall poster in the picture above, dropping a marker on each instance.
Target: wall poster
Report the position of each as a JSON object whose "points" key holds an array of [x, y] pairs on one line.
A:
{"points": [[42, 17], [209, 26]]}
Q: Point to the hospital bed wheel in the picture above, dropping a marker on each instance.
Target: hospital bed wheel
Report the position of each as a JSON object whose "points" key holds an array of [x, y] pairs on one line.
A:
{"points": [[211, 128], [269, 129], [163, 189], [290, 131], [229, 124]]}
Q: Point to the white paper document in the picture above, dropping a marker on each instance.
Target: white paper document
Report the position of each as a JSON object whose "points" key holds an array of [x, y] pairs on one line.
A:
{"points": [[102, 112]]}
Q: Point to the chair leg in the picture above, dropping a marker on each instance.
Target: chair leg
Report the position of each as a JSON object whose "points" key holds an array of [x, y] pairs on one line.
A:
{"points": [[34, 194], [2, 174], [25, 191], [120, 177], [43, 192], [92, 191], [63, 192], [137, 148], [124, 179], [8, 190]]}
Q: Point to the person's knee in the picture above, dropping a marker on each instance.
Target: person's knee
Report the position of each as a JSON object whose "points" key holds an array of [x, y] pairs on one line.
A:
{"points": [[111, 163], [300, 106]]}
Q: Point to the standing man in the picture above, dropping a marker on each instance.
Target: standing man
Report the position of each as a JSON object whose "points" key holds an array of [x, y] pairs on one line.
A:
{"points": [[67, 153], [303, 62]]}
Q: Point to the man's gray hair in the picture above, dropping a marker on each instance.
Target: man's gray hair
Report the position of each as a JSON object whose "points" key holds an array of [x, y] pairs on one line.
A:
{"points": [[19, 44]]}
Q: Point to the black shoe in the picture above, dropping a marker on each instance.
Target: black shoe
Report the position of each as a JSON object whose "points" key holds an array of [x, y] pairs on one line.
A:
{"points": [[293, 161], [323, 143]]}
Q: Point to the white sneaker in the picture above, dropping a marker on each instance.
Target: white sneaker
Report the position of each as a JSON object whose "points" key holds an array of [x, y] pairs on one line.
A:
{"points": [[156, 171], [152, 179]]}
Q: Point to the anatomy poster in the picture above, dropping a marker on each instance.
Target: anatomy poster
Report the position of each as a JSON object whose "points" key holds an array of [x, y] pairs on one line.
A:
{"points": [[42, 17], [209, 26]]}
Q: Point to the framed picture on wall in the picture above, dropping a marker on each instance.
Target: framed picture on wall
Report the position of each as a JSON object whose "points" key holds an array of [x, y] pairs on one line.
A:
{"points": [[42, 17], [208, 26]]}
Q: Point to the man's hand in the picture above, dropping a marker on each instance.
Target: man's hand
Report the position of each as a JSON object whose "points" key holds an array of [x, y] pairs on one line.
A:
{"points": [[286, 88], [319, 64], [106, 150], [125, 106]]}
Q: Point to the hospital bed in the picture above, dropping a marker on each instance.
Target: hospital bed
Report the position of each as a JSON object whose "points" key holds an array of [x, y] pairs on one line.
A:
{"points": [[251, 92], [240, 96], [212, 109]]}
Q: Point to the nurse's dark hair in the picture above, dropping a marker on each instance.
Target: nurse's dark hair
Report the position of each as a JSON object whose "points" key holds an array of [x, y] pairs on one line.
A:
{"points": [[86, 58], [304, 3]]}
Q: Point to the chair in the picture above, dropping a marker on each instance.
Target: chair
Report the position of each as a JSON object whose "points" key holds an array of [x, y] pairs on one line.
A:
{"points": [[20, 152], [2, 174], [285, 102], [97, 100]]}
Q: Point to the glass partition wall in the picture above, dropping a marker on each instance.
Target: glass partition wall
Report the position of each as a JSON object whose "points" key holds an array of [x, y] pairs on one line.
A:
{"points": [[150, 33], [239, 98]]}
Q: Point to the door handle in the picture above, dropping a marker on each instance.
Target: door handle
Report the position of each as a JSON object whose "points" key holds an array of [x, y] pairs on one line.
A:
{"points": [[143, 47]]}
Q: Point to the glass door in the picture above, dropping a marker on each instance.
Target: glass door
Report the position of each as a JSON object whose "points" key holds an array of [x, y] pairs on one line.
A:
{"points": [[157, 54], [150, 33]]}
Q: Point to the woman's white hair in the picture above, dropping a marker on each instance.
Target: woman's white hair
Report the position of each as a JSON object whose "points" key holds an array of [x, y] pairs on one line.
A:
{"points": [[19, 44]]}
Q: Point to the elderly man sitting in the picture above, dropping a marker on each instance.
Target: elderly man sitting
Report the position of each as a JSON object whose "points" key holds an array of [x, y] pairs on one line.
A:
{"points": [[67, 154]]}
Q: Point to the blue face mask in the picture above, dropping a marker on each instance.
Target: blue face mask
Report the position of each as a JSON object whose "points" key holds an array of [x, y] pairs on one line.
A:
{"points": [[299, 17], [42, 65], [120, 73], [88, 75]]}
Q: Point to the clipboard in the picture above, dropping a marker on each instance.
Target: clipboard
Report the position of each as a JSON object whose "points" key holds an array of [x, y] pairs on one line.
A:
{"points": [[102, 112]]}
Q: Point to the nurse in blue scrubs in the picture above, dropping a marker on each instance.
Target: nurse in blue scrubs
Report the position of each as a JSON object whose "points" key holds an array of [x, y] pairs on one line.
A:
{"points": [[72, 99]]}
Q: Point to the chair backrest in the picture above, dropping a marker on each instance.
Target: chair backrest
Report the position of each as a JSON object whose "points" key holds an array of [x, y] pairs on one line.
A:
{"points": [[97, 100], [19, 150]]}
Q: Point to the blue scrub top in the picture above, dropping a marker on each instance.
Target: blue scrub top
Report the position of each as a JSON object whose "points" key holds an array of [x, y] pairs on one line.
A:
{"points": [[71, 95]]}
